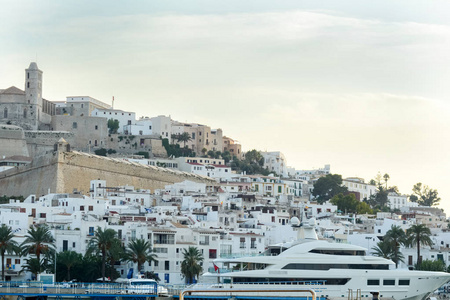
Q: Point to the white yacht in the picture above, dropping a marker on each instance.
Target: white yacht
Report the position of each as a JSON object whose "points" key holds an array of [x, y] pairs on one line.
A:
{"points": [[332, 270]]}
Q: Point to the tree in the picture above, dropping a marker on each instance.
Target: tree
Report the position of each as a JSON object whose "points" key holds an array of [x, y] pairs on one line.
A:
{"points": [[345, 203], [384, 249], [431, 265], [113, 125], [211, 154], [386, 178], [226, 155], [115, 253], [190, 266], [7, 245], [397, 237], [204, 150], [252, 163], [34, 266], [38, 241], [417, 235], [327, 187], [184, 137], [254, 156], [139, 251], [101, 243], [69, 259], [425, 195], [363, 208]]}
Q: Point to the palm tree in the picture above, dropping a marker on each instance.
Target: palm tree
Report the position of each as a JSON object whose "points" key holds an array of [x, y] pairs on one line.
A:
{"points": [[139, 251], [34, 266], [383, 249], [184, 137], [386, 178], [190, 266], [116, 253], [418, 234], [397, 237], [102, 243], [69, 259], [7, 245], [38, 240]]}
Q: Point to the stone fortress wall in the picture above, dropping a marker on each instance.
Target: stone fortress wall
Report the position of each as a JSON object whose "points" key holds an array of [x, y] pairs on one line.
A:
{"points": [[43, 142], [12, 141], [66, 172]]}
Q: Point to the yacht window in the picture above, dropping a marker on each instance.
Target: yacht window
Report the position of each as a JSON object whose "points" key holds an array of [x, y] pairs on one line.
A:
{"points": [[403, 282], [389, 282], [373, 282], [291, 281], [325, 267], [338, 252]]}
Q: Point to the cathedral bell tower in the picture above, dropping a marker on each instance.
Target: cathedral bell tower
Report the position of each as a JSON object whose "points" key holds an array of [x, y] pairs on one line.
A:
{"points": [[33, 93]]}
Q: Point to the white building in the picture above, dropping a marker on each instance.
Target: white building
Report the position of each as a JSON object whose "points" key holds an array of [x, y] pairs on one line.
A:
{"points": [[396, 201], [358, 186], [143, 126], [124, 117], [275, 162], [162, 126]]}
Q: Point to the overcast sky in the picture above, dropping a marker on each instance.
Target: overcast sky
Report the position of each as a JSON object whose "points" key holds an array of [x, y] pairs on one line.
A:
{"points": [[361, 85]]}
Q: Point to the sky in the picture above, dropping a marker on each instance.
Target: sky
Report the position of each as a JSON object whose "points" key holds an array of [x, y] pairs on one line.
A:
{"points": [[360, 85]]}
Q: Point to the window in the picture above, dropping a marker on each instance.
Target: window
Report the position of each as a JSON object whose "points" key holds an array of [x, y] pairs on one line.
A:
{"points": [[73, 245], [242, 243], [160, 250], [24, 113], [5, 113], [373, 282], [91, 208], [65, 245], [403, 282], [74, 125], [166, 265], [96, 127], [212, 253], [17, 261], [81, 208], [389, 282]]}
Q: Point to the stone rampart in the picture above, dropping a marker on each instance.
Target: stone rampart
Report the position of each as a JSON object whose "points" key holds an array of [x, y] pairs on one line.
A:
{"points": [[65, 172], [12, 141], [42, 142]]}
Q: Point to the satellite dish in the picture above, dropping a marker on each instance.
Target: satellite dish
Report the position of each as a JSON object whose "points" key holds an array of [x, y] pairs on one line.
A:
{"points": [[295, 221]]}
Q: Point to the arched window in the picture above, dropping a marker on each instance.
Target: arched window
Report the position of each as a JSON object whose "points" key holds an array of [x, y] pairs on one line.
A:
{"points": [[5, 113], [24, 113], [28, 84]]}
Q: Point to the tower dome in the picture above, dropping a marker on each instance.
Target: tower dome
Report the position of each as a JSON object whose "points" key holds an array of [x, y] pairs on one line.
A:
{"points": [[33, 66]]}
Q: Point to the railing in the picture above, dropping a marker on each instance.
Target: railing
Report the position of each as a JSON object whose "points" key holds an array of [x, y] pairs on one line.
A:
{"points": [[70, 288], [231, 291]]}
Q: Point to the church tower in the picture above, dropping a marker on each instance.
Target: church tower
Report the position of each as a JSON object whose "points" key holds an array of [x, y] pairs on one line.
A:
{"points": [[33, 93]]}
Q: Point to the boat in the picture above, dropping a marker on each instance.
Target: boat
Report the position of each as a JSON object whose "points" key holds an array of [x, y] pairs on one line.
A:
{"points": [[332, 270], [142, 285]]}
